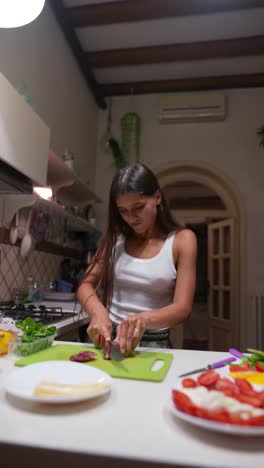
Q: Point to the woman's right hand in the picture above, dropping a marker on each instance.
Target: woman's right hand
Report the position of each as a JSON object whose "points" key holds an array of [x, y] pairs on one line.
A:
{"points": [[100, 326]]}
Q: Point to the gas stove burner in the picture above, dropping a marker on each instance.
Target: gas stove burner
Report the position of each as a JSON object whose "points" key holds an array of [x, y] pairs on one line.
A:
{"points": [[17, 307], [46, 315]]}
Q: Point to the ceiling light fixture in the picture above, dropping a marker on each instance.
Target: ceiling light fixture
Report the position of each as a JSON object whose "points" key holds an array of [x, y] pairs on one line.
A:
{"points": [[14, 13]]}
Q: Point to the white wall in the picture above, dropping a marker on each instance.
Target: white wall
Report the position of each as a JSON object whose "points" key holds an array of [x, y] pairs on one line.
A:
{"points": [[39, 55], [232, 146]]}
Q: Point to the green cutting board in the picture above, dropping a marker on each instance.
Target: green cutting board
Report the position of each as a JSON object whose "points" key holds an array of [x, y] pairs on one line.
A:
{"points": [[138, 367]]}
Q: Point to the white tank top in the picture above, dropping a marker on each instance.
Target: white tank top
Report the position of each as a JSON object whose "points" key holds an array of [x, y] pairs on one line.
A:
{"points": [[142, 284]]}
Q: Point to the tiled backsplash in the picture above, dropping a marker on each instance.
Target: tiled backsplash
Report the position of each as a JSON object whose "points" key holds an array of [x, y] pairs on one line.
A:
{"points": [[14, 269]]}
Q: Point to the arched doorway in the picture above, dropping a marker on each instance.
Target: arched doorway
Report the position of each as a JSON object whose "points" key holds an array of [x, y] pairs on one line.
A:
{"points": [[219, 182], [199, 208]]}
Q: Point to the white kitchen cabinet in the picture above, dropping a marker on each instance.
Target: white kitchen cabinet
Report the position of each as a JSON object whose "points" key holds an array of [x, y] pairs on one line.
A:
{"points": [[24, 137]]}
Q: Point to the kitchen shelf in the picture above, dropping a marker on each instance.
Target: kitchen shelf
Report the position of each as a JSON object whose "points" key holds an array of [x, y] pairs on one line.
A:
{"points": [[67, 187], [12, 203], [50, 247], [46, 246], [74, 223], [71, 223], [69, 192]]}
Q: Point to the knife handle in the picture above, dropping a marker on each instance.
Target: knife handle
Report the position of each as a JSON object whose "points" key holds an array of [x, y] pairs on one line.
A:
{"points": [[217, 364], [235, 352], [101, 341]]}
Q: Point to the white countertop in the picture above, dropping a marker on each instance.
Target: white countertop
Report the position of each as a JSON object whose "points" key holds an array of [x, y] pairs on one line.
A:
{"points": [[132, 422]]}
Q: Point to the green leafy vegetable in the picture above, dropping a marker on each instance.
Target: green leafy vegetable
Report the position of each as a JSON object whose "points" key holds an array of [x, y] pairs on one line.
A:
{"points": [[34, 330], [35, 337], [256, 352], [119, 158], [255, 356]]}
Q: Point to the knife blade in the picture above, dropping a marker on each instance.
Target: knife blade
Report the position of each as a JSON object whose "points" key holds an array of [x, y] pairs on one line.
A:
{"points": [[111, 350], [214, 365], [116, 353]]}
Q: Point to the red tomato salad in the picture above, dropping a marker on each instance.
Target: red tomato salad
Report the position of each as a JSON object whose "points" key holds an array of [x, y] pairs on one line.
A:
{"points": [[227, 400]]}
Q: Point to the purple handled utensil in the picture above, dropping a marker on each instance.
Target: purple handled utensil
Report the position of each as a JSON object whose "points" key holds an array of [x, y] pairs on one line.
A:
{"points": [[214, 365], [235, 352]]}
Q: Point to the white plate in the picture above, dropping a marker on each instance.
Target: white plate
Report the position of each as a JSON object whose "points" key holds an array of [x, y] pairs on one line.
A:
{"points": [[59, 296], [214, 425], [22, 382]]}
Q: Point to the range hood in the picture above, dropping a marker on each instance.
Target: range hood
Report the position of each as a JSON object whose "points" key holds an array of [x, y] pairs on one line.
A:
{"points": [[24, 143], [12, 181]]}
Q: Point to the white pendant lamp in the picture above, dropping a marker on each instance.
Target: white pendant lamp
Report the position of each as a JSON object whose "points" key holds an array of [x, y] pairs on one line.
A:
{"points": [[14, 13]]}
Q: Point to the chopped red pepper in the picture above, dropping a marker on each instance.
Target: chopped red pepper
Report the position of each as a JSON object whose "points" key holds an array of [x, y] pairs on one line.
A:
{"points": [[259, 366]]}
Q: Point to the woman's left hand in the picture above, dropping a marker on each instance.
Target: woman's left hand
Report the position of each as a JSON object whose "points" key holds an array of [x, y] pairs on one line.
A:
{"points": [[129, 333]]}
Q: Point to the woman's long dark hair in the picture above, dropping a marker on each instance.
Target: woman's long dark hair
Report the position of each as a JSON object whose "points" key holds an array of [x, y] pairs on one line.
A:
{"points": [[135, 178]]}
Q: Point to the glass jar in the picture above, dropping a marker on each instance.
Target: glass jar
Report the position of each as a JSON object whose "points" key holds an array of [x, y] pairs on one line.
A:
{"points": [[17, 296]]}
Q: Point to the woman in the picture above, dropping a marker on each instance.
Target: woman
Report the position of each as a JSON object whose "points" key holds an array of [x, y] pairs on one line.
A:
{"points": [[140, 254]]}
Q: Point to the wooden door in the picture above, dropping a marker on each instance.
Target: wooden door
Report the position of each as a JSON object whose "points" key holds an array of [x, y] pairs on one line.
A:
{"points": [[222, 285]]}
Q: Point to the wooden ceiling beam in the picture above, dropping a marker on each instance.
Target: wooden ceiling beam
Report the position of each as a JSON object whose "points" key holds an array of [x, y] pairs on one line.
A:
{"points": [[65, 22], [140, 10], [243, 46], [185, 84]]}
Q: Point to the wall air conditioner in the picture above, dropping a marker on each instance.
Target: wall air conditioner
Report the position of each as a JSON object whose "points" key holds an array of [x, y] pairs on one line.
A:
{"points": [[192, 107]]}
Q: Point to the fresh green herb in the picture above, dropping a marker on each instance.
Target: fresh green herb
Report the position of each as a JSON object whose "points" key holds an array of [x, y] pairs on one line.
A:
{"points": [[255, 356], [256, 352], [34, 330], [35, 337]]}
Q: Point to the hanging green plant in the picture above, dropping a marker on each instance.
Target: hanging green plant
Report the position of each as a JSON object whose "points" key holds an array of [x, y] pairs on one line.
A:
{"points": [[130, 135], [118, 156], [110, 144], [260, 132]]}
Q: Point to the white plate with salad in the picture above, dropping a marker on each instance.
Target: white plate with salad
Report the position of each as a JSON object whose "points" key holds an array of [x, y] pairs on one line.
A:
{"points": [[214, 425], [228, 400]]}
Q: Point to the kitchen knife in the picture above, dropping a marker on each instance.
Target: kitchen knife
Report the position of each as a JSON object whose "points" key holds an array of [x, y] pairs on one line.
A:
{"points": [[115, 353], [111, 349], [214, 365]]}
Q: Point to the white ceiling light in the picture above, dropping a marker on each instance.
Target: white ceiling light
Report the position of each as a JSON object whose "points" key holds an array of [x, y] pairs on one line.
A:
{"points": [[14, 13]]}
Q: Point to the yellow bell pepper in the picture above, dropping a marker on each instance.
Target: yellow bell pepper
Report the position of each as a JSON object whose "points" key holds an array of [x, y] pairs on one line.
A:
{"points": [[5, 338]]}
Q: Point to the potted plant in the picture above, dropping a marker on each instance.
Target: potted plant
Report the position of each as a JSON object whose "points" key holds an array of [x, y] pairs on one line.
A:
{"points": [[260, 133], [109, 143], [130, 135]]}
